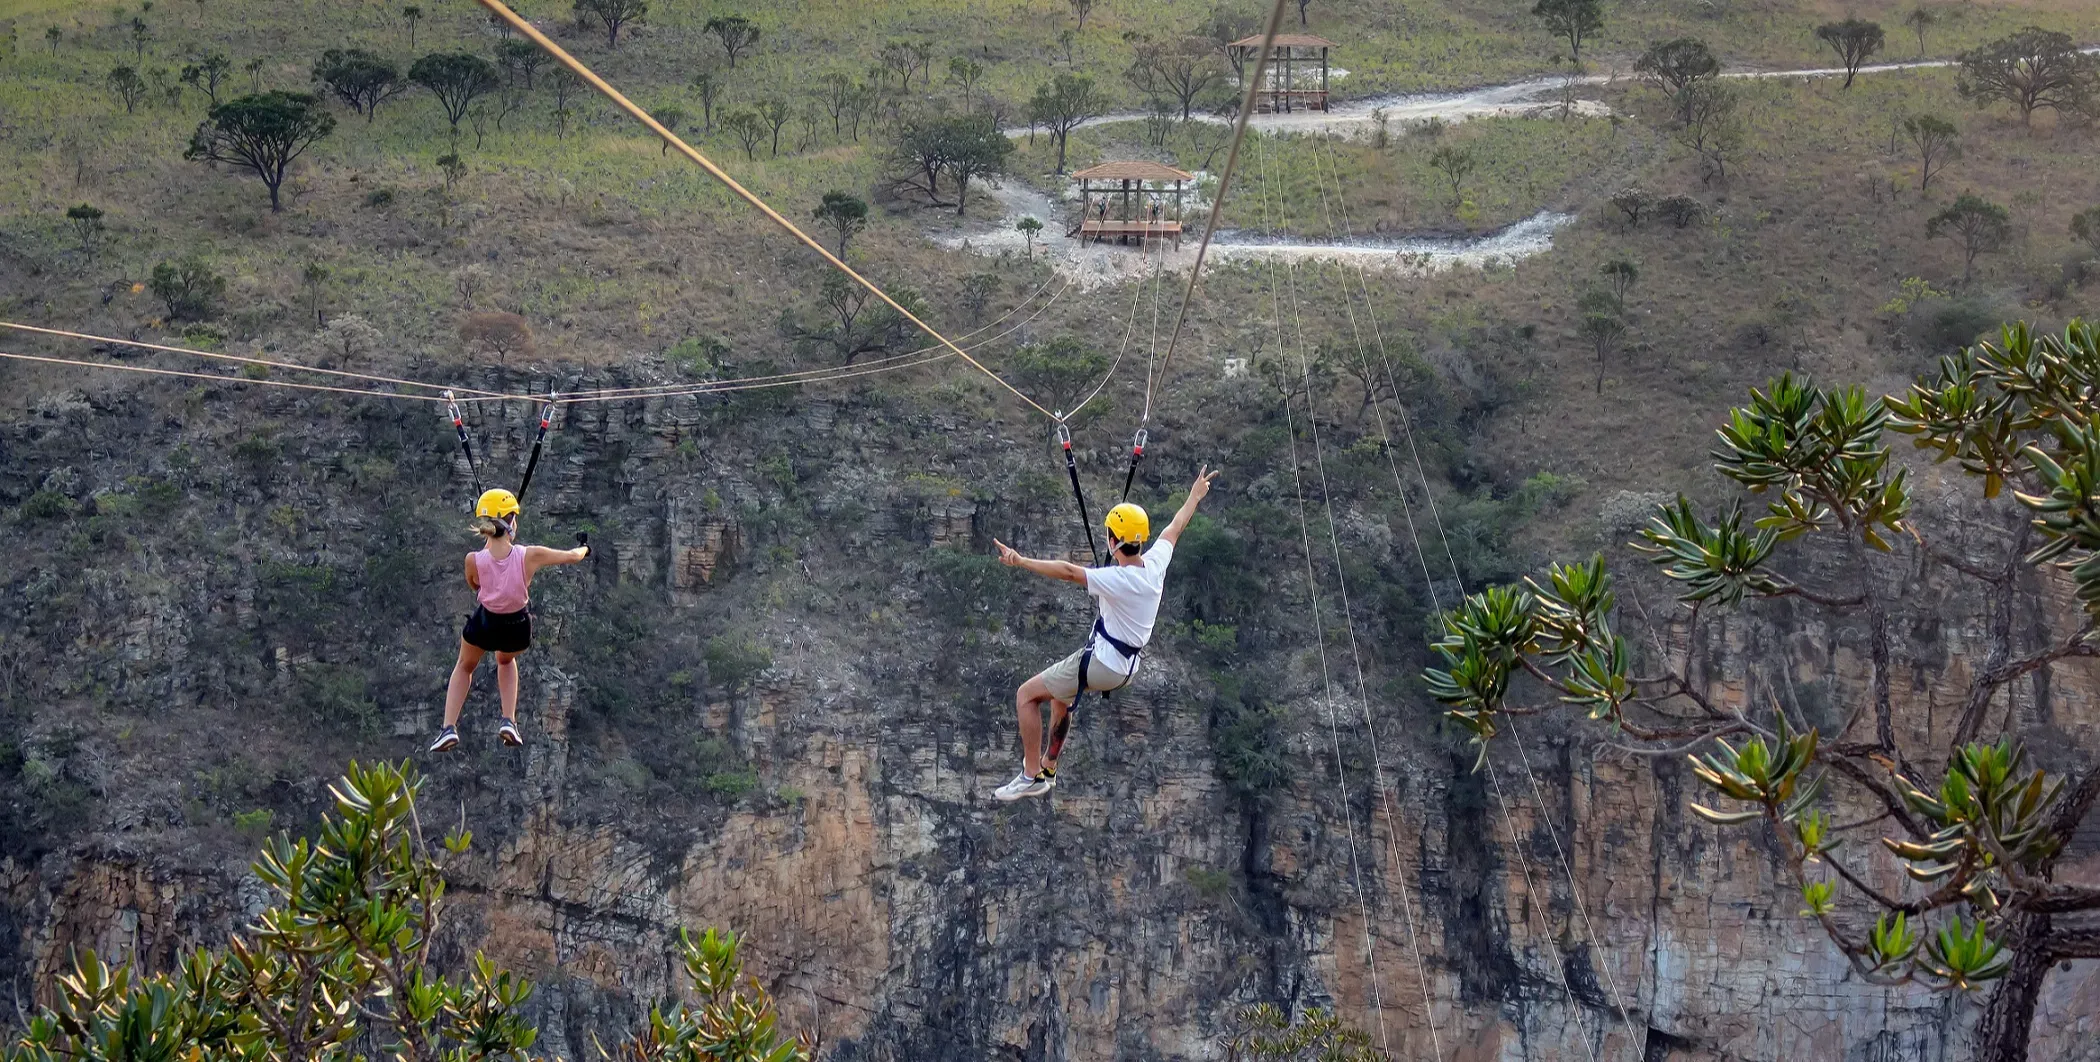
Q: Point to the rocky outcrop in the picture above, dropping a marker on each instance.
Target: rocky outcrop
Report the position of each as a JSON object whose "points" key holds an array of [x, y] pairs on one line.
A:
{"points": [[1560, 905]]}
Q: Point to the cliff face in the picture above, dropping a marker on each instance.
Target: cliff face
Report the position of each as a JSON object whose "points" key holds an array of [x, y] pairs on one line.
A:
{"points": [[846, 825]]}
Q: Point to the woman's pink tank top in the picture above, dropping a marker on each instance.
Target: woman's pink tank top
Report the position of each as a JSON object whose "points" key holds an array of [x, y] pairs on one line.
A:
{"points": [[502, 581]]}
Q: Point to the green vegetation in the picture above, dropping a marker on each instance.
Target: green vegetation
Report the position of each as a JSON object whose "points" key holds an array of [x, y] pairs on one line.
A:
{"points": [[344, 954], [1986, 837]]}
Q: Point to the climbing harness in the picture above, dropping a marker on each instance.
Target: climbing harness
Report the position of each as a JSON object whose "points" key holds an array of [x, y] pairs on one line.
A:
{"points": [[533, 462], [465, 446], [1064, 440], [1086, 664]]}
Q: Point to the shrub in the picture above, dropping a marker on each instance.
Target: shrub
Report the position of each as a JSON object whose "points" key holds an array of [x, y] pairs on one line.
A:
{"points": [[498, 334], [733, 663], [188, 287], [1681, 210], [47, 505]]}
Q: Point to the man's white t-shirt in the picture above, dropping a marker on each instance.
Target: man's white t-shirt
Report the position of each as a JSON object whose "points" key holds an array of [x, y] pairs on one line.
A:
{"points": [[1128, 596]]}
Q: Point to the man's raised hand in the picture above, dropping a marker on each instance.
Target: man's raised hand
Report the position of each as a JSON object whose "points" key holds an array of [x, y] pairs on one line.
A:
{"points": [[1201, 487]]}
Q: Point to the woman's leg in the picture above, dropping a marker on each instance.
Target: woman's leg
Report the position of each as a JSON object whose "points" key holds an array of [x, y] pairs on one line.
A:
{"points": [[507, 684], [462, 681]]}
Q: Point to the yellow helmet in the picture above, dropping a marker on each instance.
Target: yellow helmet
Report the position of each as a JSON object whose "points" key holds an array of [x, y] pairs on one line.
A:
{"points": [[1128, 523], [498, 503]]}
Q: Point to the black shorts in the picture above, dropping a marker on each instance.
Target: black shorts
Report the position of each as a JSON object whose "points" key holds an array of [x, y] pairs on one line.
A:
{"points": [[499, 632]]}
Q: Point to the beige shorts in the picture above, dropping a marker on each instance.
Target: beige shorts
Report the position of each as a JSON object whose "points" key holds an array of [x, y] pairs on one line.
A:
{"points": [[1062, 678]]}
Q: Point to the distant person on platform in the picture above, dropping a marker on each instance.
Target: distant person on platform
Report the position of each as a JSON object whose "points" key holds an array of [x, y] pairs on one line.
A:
{"points": [[1127, 592], [500, 574]]}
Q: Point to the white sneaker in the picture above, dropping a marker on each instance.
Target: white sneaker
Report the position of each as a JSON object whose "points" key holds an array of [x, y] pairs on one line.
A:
{"points": [[1024, 786]]}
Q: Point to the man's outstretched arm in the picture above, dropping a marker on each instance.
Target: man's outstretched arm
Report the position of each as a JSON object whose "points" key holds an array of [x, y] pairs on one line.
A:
{"points": [[1049, 569], [1172, 535]]}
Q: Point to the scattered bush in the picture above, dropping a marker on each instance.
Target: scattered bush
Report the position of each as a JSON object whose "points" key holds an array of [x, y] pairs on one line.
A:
{"points": [[188, 287], [734, 663], [1681, 211], [496, 334]]}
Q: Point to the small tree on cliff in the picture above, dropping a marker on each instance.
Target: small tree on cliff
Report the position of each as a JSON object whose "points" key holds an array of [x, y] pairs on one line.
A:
{"points": [[343, 956], [1976, 823]]}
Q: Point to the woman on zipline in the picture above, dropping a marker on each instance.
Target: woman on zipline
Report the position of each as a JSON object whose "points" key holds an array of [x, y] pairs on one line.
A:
{"points": [[1128, 590], [500, 573]]}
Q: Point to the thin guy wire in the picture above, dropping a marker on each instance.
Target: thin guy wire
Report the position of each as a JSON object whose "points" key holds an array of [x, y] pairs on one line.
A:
{"points": [[1385, 796], [1129, 329], [1538, 794], [650, 389], [217, 377], [1560, 963], [1319, 631], [590, 78], [295, 366]]}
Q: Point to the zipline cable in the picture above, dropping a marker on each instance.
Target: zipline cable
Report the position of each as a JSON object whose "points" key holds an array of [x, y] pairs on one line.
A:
{"points": [[1538, 794], [267, 362], [1319, 630], [1217, 203], [532, 33]]}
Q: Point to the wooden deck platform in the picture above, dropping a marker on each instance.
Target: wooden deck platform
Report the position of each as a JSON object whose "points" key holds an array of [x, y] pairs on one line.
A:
{"points": [[1123, 231]]}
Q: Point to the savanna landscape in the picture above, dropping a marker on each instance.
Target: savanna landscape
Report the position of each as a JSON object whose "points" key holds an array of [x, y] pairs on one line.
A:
{"points": [[1646, 610]]}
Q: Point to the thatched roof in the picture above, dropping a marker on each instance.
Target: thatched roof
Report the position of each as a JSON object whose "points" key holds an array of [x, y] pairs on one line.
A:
{"points": [[1288, 40]]}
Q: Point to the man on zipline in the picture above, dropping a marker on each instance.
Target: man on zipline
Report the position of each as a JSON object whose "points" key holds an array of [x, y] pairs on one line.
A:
{"points": [[1128, 590]]}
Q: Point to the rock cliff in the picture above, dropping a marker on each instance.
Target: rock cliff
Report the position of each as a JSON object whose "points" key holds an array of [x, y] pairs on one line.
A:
{"points": [[780, 700]]}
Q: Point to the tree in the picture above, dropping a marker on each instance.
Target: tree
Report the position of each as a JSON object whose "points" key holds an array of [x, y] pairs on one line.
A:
{"points": [[344, 952], [347, 339], [1604, 325], [708, 83], [1937, 141], [846, 214], [129, 87], [457, 79], [2032, 69], [777, 114], [735, 32], [1680, 210], [1181, 69], [254, 67], [1574, 21], [207, 74], [141, 35], [612, 14], [835, 93], [1029, 228], [86, 223], [1622, 274], [1921, 20], [187, 287], [497, 335], [748, 129], [977, 292], [1974, 822], [2086, 226], [564, 83], [1633, 201], [313, 276], [1080, 10], [1712, 128], [1979, 225], [976, 148], [52, 35], [263, 134], [964, 73], [1456, 162], [670, 118], [1676, 65], [519, 59], [1302, 5], [411, 15], [1854, 40], [1061, 105], [1228, 23], [850, 324], [359, 78]]}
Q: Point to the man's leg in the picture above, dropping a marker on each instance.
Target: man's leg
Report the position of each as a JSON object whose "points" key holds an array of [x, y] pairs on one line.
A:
{"points": [[1028, 709], [1060, 723]]}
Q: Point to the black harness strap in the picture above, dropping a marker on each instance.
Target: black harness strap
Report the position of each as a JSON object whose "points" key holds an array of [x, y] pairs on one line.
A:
{"points": [[1064, 439], [546, 416], [1137, 453], [1086, 664], [459, 425]]}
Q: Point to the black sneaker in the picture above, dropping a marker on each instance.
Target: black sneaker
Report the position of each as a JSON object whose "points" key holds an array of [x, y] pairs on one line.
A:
{"points": [[447, 740], [509, 733]]}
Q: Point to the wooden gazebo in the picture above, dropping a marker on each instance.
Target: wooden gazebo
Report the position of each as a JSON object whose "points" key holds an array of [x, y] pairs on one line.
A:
{"points": [[1287, 84], [1129, 199]]}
